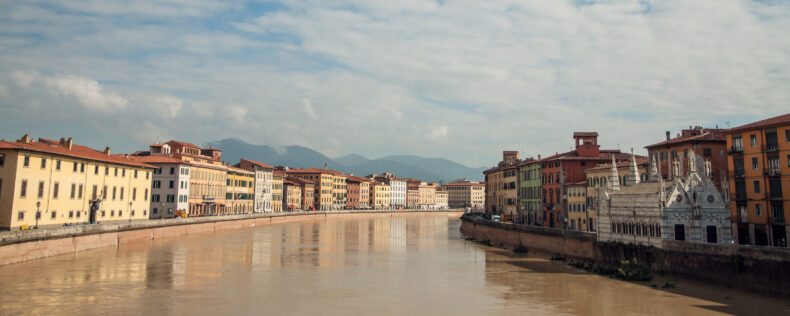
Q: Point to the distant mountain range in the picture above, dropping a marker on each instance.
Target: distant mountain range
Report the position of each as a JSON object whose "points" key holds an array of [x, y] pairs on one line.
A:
{"points": [[429, 169]]}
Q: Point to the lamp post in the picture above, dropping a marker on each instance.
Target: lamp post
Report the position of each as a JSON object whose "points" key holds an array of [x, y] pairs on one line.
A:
{"points": [[130, 211], [38, 212]]}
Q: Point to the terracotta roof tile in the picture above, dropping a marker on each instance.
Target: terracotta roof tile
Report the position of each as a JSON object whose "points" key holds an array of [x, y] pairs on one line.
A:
{"points": [[711, 136], [257, 163], [77, 151], [776, 120]]}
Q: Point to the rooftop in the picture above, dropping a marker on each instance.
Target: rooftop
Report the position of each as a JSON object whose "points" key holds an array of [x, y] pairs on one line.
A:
{"points": [[712, 135], [77, 151], [769, 122]]}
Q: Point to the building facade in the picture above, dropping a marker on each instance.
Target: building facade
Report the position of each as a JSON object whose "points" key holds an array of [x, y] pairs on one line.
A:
{"points": [[463, 193], [358, 193], [240, 192], [598, 177], [278, 191], [442, 200], [292, 193], [52, 183], [530, 193], [502, 187], [707, 144], [759, 181], [169, 186], [264, 177], [323, 184], [687, 208], [576, 204], [379, 195]]}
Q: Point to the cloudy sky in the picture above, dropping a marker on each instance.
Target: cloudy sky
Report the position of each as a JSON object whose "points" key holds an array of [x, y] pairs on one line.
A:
{"points": [[457, 79]]}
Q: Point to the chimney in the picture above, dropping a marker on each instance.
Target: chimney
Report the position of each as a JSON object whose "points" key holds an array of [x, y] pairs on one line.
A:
{"points": [[25, 139], [66, 143], [667, 135], [326, 166], [107, 150]]}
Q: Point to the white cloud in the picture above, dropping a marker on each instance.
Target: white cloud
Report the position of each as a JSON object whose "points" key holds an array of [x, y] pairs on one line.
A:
{"points": [[438, 132], [308, 109], [88, 93], [170, 104]]}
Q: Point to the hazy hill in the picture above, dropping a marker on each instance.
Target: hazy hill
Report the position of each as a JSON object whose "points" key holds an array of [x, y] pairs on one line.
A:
{"points": [[429, 169]]}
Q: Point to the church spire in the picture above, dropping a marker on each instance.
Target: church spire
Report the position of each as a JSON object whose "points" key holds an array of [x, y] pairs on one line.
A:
{"points": [[614, 178], [633, 172], [653, 169]]}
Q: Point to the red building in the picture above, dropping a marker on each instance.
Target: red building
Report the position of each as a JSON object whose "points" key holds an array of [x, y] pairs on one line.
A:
{"points": [[707, 144], [569, 167]]}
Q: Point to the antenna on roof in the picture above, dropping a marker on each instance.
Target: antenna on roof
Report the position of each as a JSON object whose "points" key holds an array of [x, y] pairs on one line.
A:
{"points": [[728, 124]]}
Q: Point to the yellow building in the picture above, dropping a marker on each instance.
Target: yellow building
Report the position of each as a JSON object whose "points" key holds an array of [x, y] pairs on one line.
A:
{"points": [[442, 199], [576, 194], [277, 191], [339, 190], [239, 198], [426, 196], [379, 195], [51, 183], [323, 181], [293, 195], [465, 193]]}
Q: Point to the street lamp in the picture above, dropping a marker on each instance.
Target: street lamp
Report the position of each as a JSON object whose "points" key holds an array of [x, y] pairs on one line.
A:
{"points": [[38, 212], [130, 211]]}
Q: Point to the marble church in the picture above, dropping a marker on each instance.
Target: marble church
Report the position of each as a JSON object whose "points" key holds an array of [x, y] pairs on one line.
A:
{"points": [[686, 208]]}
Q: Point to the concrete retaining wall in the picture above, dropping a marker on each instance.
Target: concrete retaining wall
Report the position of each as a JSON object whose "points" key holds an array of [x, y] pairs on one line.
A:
{"points": [[752, 268], [29, 245]]}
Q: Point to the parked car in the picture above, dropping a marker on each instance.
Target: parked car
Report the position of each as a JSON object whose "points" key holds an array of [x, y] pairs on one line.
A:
{"points": [[496, 218]]}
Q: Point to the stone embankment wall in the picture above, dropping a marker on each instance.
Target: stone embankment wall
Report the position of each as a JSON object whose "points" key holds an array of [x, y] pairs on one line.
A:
{"points": [[752, 268], [18, 246]]}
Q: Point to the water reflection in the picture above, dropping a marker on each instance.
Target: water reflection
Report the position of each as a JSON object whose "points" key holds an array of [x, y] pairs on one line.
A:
{"points": [[381, 265]]}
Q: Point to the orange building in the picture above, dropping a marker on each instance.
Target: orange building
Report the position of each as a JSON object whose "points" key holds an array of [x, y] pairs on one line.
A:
{"points": [[759, 184], [358, 193]]}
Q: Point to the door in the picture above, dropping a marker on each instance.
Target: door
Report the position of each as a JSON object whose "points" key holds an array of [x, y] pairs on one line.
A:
{"points": [[712, 234], [680, 232]]}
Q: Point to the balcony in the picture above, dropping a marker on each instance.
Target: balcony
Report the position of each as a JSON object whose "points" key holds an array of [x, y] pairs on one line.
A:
{"points": [[771, 147], [776, 220], [773, 172], [737, 174], [743, 218], [735, 151]]}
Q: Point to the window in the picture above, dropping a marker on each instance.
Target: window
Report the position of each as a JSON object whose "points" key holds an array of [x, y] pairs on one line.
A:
{"points": [[758, 209], [95, 191], [680, 232], [157, 184], [123, 172], [172, 170], [116, 172], [41, 189], [145, 197], [79, 192], [122, 193], [737, 143], [26, 162], [57, 165], [171, 198], [55, 190], [78, 214], [114, 189], [756, 186], [82, 167], [172, 184], [106, 171], [755, 163], [96, 170], [54, 215], [120, 213], [104, 193], [112, 213], [712, 234], [135, 174], [103, 213], [134, 194], [43, 163], [20, 216], [155, 198], [73, 191], [739, 169], [75, 167], [706, 152], [2, 160], [753, 140], [71, 214]]}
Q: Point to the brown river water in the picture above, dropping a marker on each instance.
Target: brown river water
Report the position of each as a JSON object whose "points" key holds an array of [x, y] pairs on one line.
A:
{"points": [[380, 265]]}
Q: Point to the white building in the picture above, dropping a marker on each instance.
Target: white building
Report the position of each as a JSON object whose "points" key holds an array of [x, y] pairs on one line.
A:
{"points": [[264, 179], [687, 208], [397, 193], [170, 182]]}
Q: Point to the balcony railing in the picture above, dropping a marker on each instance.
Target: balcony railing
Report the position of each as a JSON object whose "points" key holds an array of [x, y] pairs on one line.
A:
{"points": [[738, 174], [771, 147], [773, 172], [776, 220], [743, 218], [735, 151]]}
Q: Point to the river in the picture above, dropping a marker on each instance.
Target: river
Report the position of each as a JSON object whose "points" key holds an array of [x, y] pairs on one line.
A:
{"points": [[380, 265]]}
